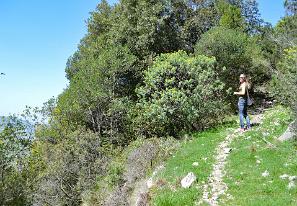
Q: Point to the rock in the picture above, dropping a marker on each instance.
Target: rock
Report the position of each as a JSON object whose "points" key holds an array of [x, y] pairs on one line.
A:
{"points": [[149, 183], [265, 174], [292, 178], [291, 185], [258, 161], [284, 176], [288, 134], [247, 138], [227, 150], [195, 164], [187, 181]]}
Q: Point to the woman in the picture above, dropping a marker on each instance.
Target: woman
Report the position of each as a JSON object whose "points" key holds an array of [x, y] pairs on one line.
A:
{"points": [[242, 102]]}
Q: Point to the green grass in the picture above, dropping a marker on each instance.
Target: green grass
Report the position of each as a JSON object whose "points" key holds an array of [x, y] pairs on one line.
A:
{"points": [[201, 149], [244, 175]]}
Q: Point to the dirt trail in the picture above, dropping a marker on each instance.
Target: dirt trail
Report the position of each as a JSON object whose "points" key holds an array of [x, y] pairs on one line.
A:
{"points": [[215, 186]]}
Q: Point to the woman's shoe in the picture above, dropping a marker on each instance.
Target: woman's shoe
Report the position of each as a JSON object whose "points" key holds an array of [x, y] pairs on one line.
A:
{"points": [[248, 128]]}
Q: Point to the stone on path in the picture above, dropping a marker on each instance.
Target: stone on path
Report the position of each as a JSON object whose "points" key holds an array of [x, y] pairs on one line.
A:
{"points": [[215, 186], [227, 150], [265, 174], [195, 164], [291, 185], [284, 176], [149, 183], [187, 181], [292, 178]]}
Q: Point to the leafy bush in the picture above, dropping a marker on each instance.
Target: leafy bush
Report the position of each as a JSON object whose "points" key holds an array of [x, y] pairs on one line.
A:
{"points": [[181, 93], [284, 81]]}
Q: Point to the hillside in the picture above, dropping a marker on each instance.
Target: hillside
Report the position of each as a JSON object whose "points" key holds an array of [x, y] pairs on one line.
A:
{"points": [[155, 88], [233, 168]]}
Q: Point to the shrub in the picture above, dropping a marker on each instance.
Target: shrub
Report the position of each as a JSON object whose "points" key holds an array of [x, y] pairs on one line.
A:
{"points": [[181, 93], [73, 166], [138, 160]]}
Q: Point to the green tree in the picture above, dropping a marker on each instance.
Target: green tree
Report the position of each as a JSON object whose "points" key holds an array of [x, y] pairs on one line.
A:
{"points": [[235, 51], [291, 7], [202, 15], [121, 42], [231, 16], [250, 13], [252, 16], [93, 93]]}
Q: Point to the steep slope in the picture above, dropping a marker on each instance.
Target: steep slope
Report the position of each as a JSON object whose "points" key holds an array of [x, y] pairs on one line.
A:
{"points": [[233, 168]]}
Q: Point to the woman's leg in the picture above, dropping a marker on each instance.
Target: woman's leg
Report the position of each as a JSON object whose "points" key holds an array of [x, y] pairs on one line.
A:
{"points": [[246, 116], [241, 110]]}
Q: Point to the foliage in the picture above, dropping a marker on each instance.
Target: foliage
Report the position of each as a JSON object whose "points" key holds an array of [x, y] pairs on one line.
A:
{"points": [[181, 93], [129, 79], [202, 16], [121, 43], [253, 20], [72, 169], [235, 51], [291, 7], [94, 96], [284, 81], [230, 16], [15, 141], [285, 32]]}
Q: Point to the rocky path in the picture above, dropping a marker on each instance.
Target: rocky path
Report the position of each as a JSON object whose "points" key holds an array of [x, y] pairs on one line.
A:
{"points": [[215, 186]]}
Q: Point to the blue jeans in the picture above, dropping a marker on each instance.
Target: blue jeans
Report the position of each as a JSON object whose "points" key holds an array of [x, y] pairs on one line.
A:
{"points": [[242, 107]]}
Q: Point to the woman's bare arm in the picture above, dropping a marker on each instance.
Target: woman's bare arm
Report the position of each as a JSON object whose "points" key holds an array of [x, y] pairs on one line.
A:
{"points": [[242, 92]]}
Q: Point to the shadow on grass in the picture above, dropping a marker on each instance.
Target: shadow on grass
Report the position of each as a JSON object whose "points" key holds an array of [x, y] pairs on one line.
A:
{"points": [[255, 124]]}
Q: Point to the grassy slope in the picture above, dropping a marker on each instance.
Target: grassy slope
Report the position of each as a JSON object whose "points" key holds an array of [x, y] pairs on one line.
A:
{"points": [[244, 175], [200, 149], [244, 179]]}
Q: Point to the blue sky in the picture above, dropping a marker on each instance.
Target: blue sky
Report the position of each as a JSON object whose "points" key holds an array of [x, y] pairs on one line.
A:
{"points": [[36, 39]]}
